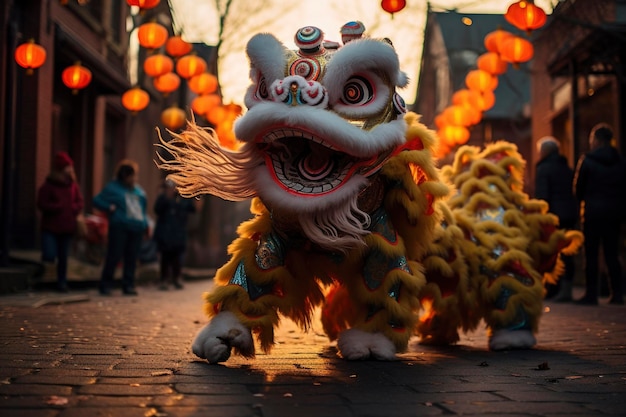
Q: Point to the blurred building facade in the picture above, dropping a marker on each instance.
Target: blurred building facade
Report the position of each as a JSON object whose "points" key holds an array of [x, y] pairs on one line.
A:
{"points": [[579, 74], [452, 43], [39, 115]]}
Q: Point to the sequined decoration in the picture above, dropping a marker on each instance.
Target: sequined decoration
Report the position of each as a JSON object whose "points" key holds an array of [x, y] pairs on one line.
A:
{"points": [[496, 215], [377, 265], [270, 253], [382, 226], [254, 291]]}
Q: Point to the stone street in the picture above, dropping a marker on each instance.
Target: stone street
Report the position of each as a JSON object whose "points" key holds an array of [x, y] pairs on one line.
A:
{"points": [[82, 355]]}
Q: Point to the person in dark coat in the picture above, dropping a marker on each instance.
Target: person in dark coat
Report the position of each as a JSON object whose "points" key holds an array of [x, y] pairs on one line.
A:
{"points": [[60, 202], [553, 184], [600, 184], [170, 232]]}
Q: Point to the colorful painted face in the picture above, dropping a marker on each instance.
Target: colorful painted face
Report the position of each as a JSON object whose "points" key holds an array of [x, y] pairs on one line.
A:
{"points": [[324, 117]]}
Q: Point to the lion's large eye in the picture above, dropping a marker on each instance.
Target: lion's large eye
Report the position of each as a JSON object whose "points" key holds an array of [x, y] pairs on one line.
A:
{"points": [[357, 91], [363, 95], [262, 93]]}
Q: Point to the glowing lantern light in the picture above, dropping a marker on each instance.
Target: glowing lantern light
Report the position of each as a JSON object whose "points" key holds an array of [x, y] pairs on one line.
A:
{"points": [[525, 15], [166, 83], [461, 115], [392, 6], [204, 83], [440, 121], [516, 50], [232, 110], [494, 39], [454, 135], [173, 117], [144, 4], [157, 65], [175, 46], [491, 63], [190, 65], [203, 104], [29, 55], [76, 77], [480, 80], [216, 115], [135, 99], [466, 97], [486, 100], [152, 35]]}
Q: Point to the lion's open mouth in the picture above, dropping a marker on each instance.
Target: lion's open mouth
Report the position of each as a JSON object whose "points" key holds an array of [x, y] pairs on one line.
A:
{"points": [[304, 164]]}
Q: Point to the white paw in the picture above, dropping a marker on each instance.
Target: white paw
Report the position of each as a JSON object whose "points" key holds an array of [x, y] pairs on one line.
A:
{"points": [[354, 344], [223, 332], [511, 339]]}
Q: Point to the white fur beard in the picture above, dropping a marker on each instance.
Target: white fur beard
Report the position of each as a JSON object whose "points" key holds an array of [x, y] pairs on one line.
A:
{"points": [[332, 221]]}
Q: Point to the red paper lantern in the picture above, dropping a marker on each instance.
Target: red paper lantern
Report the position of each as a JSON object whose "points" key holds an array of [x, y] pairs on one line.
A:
{"points": [[144, 4], [203, 104], [216, 115], [152, 35], [440, 121], [525, 15], [486, 100], [465, 97], [173, 117], [159, 64], [461, 115], [166, 83], [479, 80], [392, 6], [491, 63], [190, 65], [76, 77], [29, 55], [454, 135], [204, 83], [175, 46], [135, 99], [516, 50], [494, 39]]}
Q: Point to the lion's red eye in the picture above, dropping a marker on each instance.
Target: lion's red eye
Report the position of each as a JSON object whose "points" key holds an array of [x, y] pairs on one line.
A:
{"points": [[357, 91]]}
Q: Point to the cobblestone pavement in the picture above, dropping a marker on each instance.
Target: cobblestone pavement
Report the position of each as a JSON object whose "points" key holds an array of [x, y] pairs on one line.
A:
{"points": [[84, 355]]}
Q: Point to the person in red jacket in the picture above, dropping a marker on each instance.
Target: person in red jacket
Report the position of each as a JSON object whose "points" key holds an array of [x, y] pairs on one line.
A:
{"points": [[60, 201]]}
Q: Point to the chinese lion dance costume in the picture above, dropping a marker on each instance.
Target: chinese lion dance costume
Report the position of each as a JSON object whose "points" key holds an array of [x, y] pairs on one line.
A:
{"points": [[351, 213]]}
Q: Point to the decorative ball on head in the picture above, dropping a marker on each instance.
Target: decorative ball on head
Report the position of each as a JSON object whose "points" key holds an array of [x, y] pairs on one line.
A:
{"points": [[309, 40], [351, 31]]}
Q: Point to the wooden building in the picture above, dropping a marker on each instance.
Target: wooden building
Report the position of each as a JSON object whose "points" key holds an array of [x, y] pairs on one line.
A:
{"points": [[39, 115], [452, 43]]}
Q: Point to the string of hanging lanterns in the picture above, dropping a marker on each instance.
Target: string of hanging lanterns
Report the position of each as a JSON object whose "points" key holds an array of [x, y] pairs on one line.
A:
{"points": [[502, 47]]}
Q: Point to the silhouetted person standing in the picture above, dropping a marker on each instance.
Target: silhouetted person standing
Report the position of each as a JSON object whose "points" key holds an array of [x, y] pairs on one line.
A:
{"points": [[170, 232], [553, 184], [60, 201], [124, 201], [600, 184]]}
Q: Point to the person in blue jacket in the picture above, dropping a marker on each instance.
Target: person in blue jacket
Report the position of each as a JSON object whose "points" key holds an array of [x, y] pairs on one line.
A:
{"points": [[124, 201]]}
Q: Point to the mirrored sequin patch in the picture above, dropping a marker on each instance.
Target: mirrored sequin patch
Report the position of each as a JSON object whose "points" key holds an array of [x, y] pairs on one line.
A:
{"points": [[382, 226], [270, 252], [377, 265], [254, 291]]}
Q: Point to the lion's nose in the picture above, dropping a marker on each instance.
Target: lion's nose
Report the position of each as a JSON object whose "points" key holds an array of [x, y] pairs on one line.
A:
{"points": [[294, 94], [297, 91]]}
